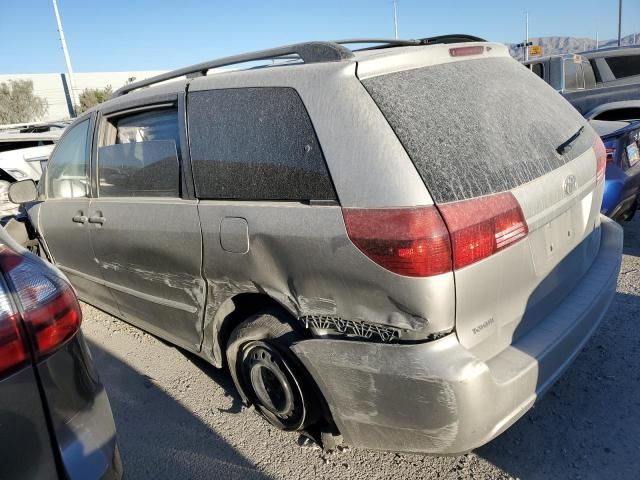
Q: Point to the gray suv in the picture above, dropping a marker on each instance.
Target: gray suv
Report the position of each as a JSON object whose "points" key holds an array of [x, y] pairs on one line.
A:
{"points": [[401, 244]]}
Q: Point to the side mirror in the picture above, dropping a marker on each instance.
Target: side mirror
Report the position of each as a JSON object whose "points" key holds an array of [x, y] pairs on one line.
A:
{"points": [[23, 191]]}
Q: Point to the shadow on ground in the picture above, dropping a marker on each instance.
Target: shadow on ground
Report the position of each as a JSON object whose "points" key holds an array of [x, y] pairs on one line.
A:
{"points": [[588, 425], [170, 441]]}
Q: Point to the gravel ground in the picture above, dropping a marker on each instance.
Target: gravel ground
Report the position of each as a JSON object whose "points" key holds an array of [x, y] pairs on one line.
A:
{"points": [[177, 417]]}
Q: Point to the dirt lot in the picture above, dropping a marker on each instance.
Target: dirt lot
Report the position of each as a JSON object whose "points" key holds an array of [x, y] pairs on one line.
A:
{"points": [[179, 418]]}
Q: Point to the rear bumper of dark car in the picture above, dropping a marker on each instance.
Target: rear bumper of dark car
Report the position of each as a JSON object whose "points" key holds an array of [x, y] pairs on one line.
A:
{"points": [[88, 445], [437, 397], [84, 429]]}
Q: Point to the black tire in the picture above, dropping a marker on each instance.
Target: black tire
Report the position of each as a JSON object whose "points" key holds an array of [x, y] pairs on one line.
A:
{"points": [[268, 375]]}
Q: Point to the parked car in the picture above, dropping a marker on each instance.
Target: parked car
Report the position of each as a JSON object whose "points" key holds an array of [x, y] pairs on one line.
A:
{"points": [[23, 156], [622, 177], [601, 84], [370, 247], [55, 418]]}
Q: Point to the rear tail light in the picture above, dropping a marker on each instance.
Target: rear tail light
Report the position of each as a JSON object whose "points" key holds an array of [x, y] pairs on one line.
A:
{"points": [[422, 241], [13, 351], [601, 159], [482, 226], [47, 305], [610, 150], [408, 241]]}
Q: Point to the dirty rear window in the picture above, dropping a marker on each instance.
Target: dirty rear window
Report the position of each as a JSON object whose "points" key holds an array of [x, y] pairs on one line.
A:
{"points": [[478, 127]]}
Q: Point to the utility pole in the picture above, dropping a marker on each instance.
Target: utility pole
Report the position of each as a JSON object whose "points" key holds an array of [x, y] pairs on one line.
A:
{"points": [[395, 17], [66, 59], [619, 22], [526, 41]]}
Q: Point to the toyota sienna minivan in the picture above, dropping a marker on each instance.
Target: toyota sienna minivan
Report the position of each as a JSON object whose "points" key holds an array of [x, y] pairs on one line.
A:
{"points": [[399, 243]]}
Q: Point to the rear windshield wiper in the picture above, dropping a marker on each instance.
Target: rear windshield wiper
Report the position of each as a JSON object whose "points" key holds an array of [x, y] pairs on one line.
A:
{"points": [[566, 145]]}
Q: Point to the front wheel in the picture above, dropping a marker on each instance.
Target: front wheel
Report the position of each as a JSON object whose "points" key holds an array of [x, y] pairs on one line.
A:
{"points": [[268, 375]]}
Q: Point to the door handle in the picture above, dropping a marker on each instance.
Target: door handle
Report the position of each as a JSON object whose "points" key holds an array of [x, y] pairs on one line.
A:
{"points": [[97, 219], [79, 219]]}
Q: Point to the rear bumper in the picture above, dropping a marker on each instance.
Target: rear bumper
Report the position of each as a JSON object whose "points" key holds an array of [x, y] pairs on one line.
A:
{"points": [[437, 397], [88, 444], [81, 417]]}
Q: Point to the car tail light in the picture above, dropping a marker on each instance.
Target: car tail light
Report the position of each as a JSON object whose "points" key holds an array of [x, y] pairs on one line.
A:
{"points": [[425, 241], [601, 159], [408, 241], [610, 150], [13, 350], [48, 306], [466, 51], [482, 226]]}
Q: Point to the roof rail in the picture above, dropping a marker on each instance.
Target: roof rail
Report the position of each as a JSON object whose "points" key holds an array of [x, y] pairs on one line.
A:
{"points": [[308, 52], [385, 43]]}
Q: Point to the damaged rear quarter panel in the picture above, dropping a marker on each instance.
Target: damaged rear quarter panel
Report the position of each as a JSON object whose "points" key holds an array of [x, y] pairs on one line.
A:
{"points": [[301, 256]]}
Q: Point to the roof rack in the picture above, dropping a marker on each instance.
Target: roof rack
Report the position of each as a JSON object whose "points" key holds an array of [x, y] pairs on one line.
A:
{"points": [[308, 52], [387, 43]]}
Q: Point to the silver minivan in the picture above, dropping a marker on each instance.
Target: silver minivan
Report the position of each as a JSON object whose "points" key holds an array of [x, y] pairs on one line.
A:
{"points": [[399, 244]]}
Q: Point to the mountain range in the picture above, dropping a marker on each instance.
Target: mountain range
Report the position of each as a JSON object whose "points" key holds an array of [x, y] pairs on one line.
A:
{"points": [[555, 45]]}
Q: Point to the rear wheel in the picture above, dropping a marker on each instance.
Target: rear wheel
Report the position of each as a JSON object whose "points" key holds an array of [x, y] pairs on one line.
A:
{"points": [[268, 375]]}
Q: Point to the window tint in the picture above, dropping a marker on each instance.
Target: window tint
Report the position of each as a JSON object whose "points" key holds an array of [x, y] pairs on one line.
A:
{"points": [[491, 129], [589, 75], [624, 66], [572, 76], [538, 69], [255, 144], [143, 159], [67, 167]]}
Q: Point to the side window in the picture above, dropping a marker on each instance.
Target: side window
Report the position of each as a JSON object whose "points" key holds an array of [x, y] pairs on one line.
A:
{"points": [[538, 69], [139, 157], [624, 66], [589, 76], [67, 167], [572, 76], [255, 144]]}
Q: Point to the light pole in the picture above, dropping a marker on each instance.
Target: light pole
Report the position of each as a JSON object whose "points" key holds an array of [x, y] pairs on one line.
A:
{"points": [[619, 22], [526, 41], [395, 17], [66, 59]]}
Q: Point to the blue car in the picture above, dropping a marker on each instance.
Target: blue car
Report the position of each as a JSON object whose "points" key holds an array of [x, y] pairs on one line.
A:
{"points": [[622, 177]]}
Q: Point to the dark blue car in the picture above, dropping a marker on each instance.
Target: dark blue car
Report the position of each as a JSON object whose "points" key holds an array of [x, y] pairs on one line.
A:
{"points": [[622, 178]]}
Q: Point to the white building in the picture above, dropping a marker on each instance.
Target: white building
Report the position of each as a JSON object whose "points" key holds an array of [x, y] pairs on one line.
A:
{"points": [[54, 87]]}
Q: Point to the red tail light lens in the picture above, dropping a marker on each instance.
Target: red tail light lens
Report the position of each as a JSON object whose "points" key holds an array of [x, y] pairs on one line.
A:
{"points": [[50, 310], [13, 353], [407, 241], [482, 226], [601, 159], [55, 322]]}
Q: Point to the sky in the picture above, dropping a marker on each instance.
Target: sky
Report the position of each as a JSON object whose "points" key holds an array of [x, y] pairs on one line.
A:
{"points": [[127, 35]]}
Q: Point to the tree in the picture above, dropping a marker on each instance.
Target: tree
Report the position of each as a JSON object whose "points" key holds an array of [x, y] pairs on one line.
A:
{"points": [[18, 103], [90, 97]]}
